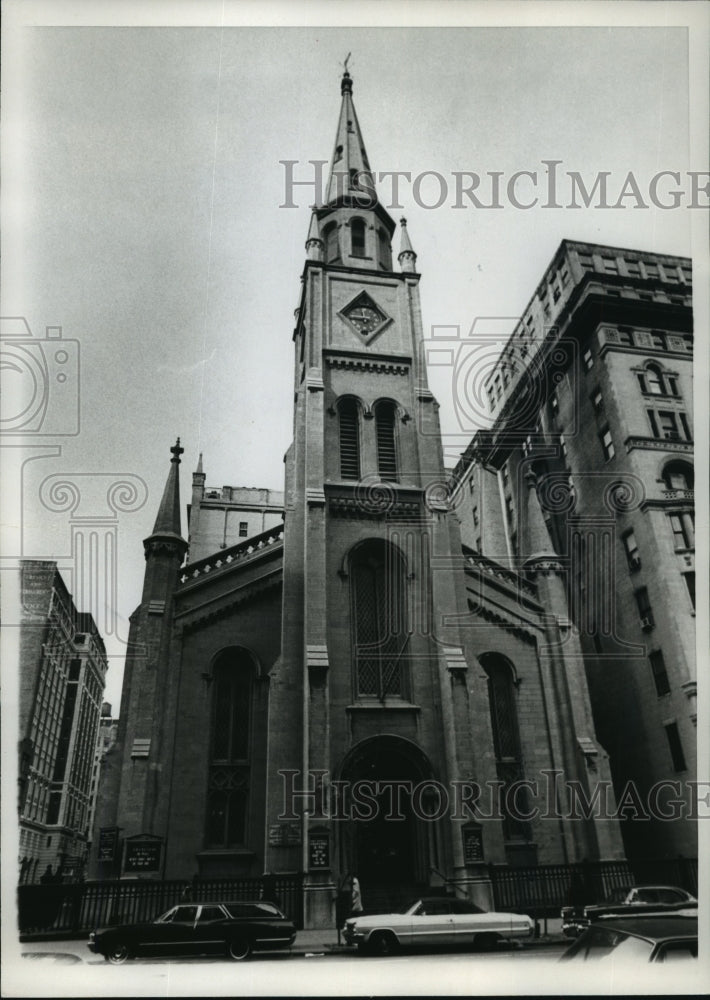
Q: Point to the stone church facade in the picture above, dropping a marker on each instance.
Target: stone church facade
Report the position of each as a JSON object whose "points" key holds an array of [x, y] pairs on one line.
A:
{"points": [[352, 690]]}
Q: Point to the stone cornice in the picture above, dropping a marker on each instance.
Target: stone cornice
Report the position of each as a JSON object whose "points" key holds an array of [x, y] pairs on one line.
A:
{"points": [[506, 623], [268, 543], [192, 619], [658, 444], [374, 365]]}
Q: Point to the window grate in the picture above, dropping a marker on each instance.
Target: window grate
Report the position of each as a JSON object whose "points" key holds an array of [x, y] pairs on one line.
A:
{"points": [[349, 440], [386, 450]]}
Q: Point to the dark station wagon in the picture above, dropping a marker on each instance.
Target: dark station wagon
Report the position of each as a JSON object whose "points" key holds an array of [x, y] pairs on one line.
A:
{"points": [[233, 930]]}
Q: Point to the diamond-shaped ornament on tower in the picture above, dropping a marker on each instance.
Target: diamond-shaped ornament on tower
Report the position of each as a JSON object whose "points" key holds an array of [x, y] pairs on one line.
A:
{"points": [[365, 317]]}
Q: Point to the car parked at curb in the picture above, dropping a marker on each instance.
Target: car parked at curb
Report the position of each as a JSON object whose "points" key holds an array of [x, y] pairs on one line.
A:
{"points": [[432, 922], [234, 930], [625, 900], [647, 937]]}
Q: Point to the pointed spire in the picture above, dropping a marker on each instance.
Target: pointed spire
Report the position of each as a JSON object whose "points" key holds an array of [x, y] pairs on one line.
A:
{"points": [[407, 257], [538, 543], [198, 470], [350, 174], [167, 522], [314, 243]]}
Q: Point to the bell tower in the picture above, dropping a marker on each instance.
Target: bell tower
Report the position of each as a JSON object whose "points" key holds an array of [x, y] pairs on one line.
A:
{"points": [[372, 681]]}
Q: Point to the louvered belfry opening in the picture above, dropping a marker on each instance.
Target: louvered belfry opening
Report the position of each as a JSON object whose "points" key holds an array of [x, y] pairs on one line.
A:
{"points": [[379, 620], [386, 446], [349, 439]]}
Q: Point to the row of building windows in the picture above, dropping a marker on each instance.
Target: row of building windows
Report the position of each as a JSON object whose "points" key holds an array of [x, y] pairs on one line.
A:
{"points": [[673, 273], [665, 425]]}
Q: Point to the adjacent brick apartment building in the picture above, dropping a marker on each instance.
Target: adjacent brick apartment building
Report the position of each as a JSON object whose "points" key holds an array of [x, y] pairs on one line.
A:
{"points": [[62, 677], [593, 406]]}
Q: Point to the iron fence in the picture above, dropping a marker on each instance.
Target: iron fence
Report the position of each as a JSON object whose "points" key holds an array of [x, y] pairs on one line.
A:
{"points": [[540, 891], [70, 909]]}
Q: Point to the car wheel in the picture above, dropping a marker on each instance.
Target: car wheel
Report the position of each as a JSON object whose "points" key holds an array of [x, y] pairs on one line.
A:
{"points": [[239, 948], [118, 953], [485, 942], [383, 943]]}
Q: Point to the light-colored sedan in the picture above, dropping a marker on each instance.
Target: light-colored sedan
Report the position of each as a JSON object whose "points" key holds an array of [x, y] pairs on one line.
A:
{"points": [[432, 922]]}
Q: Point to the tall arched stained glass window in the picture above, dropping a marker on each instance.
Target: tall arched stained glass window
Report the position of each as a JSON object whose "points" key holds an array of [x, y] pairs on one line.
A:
{"points": [[380, 635], [506, 742], [230, 740]]}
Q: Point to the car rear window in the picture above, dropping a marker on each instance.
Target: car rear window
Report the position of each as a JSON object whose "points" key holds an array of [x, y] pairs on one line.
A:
{"points": [[254, 910]]}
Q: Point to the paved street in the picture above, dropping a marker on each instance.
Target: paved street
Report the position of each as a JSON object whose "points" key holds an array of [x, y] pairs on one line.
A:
{"points": [[67, 968]]}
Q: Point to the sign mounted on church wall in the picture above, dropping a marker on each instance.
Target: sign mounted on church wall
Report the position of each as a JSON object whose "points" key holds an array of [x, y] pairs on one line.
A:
{"points": [[285, 834], [143, 854]]}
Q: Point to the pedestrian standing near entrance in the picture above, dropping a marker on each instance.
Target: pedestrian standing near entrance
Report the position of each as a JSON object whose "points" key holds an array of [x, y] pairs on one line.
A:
{"points": [[355, 897]]}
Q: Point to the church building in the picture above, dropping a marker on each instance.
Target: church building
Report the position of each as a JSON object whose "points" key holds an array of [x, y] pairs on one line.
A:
{"points": [[350, 690]]}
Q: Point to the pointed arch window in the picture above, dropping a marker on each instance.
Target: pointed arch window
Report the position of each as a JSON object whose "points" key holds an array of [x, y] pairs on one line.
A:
{"points": [[332, 246], [349, 428], [506, 742], [229, 767], [385, 250], [357, 237], [379, 627], [385, 413]]}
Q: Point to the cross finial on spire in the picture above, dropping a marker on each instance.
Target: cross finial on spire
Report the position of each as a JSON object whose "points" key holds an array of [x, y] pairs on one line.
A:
{"points": [[346, 84], [176, 451]]}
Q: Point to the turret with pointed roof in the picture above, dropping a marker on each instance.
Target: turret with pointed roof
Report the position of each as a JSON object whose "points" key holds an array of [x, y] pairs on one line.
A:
{"points": [[167, 521]]}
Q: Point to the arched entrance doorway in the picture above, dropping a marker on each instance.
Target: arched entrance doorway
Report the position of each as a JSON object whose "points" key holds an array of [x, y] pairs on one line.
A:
{"points": [[382, 839]]}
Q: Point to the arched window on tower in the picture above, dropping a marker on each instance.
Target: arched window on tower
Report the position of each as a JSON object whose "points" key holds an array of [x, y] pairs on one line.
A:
{"points": [[385, 412], [332, 246], [385, 250], [655, 382], [230, 738], [679, 476], [357, 237], [349, 427], [379, 620], [506, 742]]}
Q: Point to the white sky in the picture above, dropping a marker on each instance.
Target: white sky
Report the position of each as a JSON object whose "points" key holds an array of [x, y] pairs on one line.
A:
{"points": [[143, 212]]}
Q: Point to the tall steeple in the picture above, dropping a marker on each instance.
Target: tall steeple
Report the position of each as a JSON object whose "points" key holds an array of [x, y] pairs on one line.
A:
{"points": [[350, 174], [352, 228]]}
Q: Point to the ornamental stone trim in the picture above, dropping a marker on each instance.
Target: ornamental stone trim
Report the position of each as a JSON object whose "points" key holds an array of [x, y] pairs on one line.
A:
{"points": [[250, 592], [355, 509], [515, 629], [228, 557], [376, 367], [658, 444]]}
